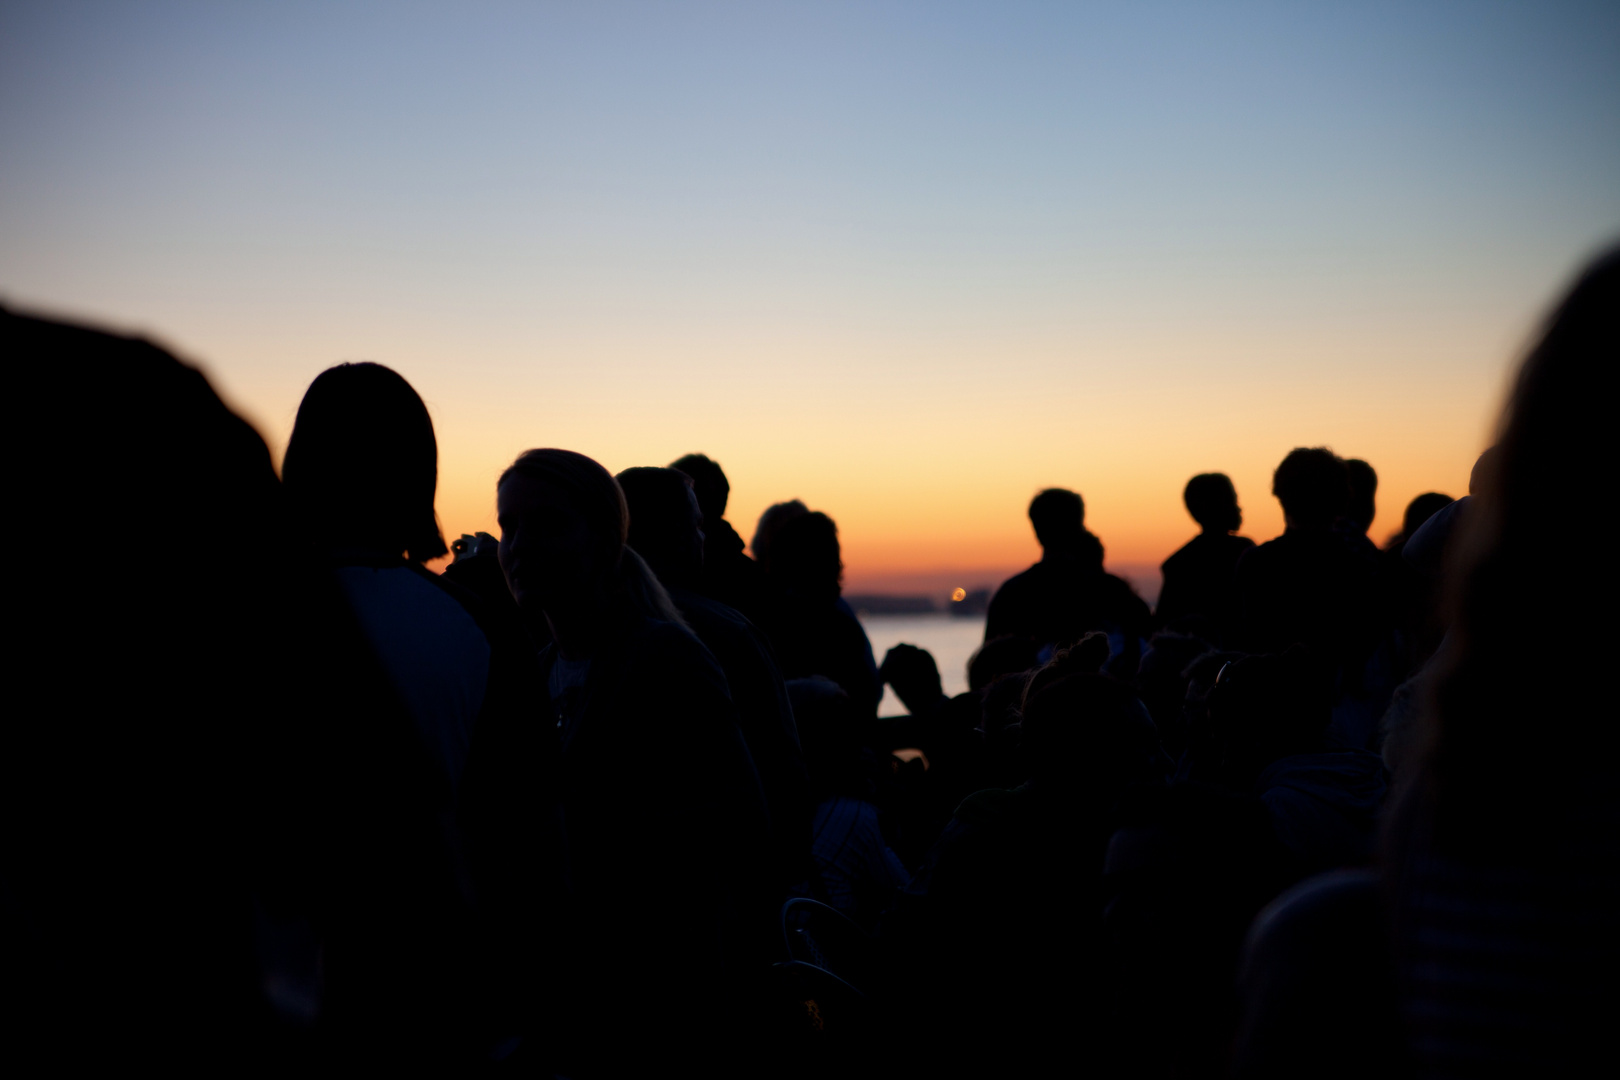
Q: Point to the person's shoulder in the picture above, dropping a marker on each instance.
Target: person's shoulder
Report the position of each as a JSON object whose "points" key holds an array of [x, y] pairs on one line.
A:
{"points": [[1024, 579], [1183, 555]]}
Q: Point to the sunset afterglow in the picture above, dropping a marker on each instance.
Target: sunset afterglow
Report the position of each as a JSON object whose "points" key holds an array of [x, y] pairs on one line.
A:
{"points": [[910, 264]]}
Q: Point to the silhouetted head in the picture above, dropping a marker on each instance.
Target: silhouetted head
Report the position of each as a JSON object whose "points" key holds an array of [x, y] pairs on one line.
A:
{"points": [[709, 481], [1266, 707], [1085, 657], [1090, 733], [1312, 486], [1212, 501], [1421, 509], [564, 525], [1363, 504], [770, 522], [666, 523], [805, 560], [1059, 517], [362, 465], [1005, 655]]}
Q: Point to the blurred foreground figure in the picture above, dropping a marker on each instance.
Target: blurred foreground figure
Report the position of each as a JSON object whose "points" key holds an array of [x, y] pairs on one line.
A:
{"points": [[668, 839], [1502, 859], [1067, 594], [134, 791], [1506, 859]]}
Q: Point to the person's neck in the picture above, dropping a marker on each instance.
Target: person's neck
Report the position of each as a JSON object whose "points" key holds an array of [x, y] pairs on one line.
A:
{"points": [[579, 631], [1294, 525]]}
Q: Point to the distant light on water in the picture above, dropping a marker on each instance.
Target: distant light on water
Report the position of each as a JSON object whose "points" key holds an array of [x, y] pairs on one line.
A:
{"points": [[958, 594]]}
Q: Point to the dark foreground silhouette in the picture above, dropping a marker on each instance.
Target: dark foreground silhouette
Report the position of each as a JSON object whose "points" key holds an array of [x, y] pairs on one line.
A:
{"points": [[610, 797]]}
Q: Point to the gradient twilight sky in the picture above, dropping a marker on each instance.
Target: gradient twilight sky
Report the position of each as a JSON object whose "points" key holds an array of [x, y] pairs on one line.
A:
{"points": [[908, 262]]}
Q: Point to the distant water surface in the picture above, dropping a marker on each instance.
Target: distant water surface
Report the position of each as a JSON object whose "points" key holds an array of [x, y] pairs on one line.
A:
{"points": [[951, 639]]}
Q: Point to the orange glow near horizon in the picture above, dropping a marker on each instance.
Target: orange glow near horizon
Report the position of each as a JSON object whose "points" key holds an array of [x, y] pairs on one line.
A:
{"points": [[929, 474]]}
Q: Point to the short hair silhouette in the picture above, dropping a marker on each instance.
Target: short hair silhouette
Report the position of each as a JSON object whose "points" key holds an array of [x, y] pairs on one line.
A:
{"points": [[362, 465], [770, 523], [1212, 501], [1059, 516], [1421, 509], [1363, 503], [664, 522], [1312, 485], [709, 481]]}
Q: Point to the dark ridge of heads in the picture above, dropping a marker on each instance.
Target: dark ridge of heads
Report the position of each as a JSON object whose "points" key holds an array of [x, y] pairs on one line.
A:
{"points": [[709, 481], [665, 522], [770, 523], [1005, 655], [362, 465], [591, 488], [1269, 705], [1092, 729], [1312, 485], [1363, 504], [805, 557], [1212, 501], [1085, 657], [1421, 509], [1059, 517]]}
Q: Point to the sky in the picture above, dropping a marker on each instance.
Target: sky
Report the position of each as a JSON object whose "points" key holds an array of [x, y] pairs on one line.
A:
{"points": [[908, 262]]}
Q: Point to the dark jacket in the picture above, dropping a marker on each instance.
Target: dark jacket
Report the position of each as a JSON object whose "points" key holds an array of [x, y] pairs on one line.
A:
{"points": [[1057, 603], [765, 717], [667, 840], [1201, 579]]}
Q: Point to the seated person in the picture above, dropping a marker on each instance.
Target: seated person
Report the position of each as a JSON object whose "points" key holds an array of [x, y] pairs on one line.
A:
{"points": [[856, 872]]}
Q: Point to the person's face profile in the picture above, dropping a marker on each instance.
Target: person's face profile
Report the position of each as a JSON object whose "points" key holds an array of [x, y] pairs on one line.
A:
{"points": [[546, 549]]}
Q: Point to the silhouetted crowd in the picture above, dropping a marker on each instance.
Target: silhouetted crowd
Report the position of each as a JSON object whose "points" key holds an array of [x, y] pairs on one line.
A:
{"points": [[610, 797]]}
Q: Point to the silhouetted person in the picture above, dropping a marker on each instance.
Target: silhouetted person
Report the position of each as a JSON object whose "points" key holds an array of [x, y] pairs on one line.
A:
{"points": [[141, 826], [360, 473], [729, 575], [770, 521], [1201, 578], [664, 820], [1362, 506], [1067, 594], [1005, 911], [1313, 585], [1500, 869], [856, 872], [1269, 718], [812, 630], [1504, 864], [666, 530]]}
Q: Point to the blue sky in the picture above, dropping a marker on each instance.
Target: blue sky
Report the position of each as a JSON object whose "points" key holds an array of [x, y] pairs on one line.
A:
{"points": [[991, 245]]}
